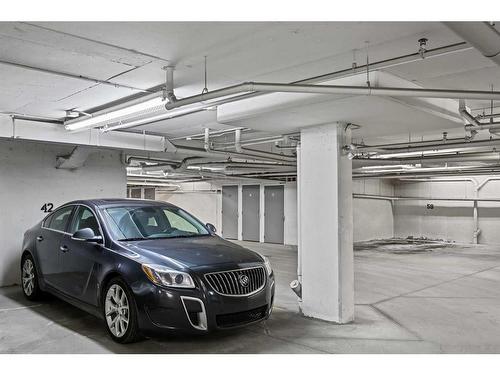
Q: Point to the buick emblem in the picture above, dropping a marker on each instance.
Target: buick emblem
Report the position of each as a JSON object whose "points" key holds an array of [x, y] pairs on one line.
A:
{"points": [[243, 279]]}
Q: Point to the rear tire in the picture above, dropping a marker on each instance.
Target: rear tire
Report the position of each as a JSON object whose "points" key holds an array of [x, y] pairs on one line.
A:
{"points": [[29, 279], [120, 312]]}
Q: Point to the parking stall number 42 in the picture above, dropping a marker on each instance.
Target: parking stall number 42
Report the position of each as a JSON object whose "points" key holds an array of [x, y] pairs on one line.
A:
{"points": [[47, 207]]}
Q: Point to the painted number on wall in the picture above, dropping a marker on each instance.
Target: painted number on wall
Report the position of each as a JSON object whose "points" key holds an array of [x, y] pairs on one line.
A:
{"points": [[47, 207]]}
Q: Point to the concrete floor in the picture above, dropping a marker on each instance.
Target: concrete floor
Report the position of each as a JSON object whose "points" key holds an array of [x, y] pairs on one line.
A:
{"points": [[410, 298]]}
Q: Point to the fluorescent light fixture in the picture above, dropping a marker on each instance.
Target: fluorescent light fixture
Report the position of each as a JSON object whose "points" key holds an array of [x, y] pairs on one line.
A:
{"points": [[419, 153], [170, 114], [150, 105], [395, 166]]}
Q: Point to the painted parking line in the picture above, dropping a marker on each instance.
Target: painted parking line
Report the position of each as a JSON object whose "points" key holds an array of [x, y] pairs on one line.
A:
{"points": [[19, 308]]}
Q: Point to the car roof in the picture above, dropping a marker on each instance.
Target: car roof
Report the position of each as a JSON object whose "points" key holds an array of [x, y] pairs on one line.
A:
{"points": [[110, 202]]}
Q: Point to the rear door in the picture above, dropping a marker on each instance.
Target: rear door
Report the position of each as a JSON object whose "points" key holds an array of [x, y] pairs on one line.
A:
{"points": [[49, 242], [79, 259]]}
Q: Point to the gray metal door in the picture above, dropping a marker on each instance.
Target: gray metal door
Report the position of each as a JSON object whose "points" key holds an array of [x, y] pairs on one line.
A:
{"points": [[230, 212], [251, 222], [274, 214]]}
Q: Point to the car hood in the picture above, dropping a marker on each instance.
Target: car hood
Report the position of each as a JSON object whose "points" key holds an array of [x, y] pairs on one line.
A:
{"points": [[192, 252]]}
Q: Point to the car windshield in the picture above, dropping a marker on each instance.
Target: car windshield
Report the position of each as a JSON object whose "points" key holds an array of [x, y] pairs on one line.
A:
{"points": [[148, 222]]}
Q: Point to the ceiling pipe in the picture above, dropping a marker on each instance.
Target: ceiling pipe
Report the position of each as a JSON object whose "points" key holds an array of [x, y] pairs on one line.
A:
{"points": [[416, 170], [240, 149], [466, 116], [484, 126], [454, 158], [481, 35], [374, 66], [246, 152], [70, 75], [200, 152], [236, 164], [472, 123], [252, 141], [454, 172], [386, 150], [237, 140], [34, 118], [159, 184], [213, 133], [486, 115], [444, 140], [169, 83], [333, 90], [395, 198], [129, 159]]}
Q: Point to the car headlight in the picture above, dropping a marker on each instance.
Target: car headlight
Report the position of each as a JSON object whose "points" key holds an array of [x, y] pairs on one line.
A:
{"points": [[164, 276], [267, 263]]}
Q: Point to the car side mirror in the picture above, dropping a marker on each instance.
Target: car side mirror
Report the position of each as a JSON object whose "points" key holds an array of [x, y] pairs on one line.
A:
{"points": [[211, 228], [87, 235]]}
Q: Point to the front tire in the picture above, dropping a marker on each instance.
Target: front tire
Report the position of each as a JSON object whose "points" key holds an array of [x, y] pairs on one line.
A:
{"points": [[29, 279], [120, 312]]}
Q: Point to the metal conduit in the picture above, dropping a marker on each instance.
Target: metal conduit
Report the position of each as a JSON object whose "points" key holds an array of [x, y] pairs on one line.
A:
{"points": [[374, 66], [70, 75], [367, 196], [387, 150], [335, 90]]}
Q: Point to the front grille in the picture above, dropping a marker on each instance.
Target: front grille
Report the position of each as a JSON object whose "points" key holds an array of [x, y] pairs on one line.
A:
{"points": [[237, 282], [241, 318]]}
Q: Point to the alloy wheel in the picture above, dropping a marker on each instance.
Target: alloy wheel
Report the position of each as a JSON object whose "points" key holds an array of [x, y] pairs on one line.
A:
{"points": [[28, 277], [117, 310]]}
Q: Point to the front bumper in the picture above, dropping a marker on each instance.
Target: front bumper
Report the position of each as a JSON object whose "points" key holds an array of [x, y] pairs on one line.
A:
{"points": [[200, 310]]}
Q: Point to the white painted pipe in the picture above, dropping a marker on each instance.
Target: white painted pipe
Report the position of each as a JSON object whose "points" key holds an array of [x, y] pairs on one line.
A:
{"points": [[481, 35], [493, 157], [377, 65], [465, 114], [441, 146], [334, 90], [237, 140]]}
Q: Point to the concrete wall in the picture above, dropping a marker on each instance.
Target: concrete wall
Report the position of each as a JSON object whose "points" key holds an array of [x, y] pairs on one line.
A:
{"points": [[29, 179], [202, 199], [373, 218], [448, 220]]}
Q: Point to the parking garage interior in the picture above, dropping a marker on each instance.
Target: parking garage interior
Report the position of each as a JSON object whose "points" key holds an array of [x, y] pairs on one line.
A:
{"points": [[365, 168]]}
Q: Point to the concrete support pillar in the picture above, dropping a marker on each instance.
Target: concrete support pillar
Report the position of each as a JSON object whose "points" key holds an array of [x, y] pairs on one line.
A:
{"points": [[240, 212], [325, 226]]}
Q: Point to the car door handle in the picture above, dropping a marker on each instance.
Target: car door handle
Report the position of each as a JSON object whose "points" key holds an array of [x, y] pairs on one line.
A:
{"points": [[39, 238], [64, 249]]}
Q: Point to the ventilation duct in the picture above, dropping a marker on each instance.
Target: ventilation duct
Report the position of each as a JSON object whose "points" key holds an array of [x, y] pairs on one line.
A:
{"points": [[481, 35]]}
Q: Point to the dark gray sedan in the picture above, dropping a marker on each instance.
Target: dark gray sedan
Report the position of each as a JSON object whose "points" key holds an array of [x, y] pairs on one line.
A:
{"points": [[145, 267]]}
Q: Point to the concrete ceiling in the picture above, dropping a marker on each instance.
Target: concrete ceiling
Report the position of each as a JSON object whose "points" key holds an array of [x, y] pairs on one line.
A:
{"points": [[133, 54]]}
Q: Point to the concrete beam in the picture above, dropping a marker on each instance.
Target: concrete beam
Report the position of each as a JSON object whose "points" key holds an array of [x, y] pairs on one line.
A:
{"points": [[326, 224], [55, 133]]}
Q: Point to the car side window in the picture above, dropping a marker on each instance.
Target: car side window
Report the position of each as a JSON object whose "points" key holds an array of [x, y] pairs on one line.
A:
{"points": [[84, 218], [59, 219]]}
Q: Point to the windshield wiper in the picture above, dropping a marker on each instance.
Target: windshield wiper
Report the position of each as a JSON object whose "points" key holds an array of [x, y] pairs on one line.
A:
{"points": [[134, 239], [179, 236]]}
